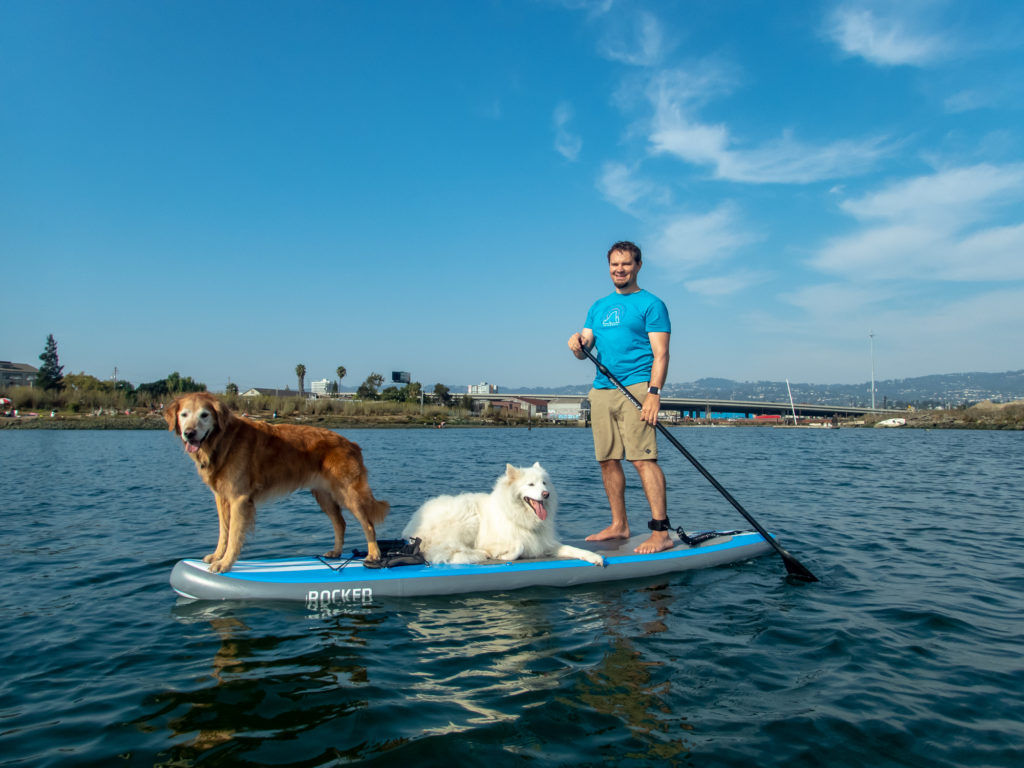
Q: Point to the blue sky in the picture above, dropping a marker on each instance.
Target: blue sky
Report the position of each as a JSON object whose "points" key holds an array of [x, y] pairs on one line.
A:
{"points": [[227, 189]]}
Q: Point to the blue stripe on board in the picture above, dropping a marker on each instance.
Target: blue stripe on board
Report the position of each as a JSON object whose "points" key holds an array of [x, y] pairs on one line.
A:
{"points": [[670, 554], [251, 570]]}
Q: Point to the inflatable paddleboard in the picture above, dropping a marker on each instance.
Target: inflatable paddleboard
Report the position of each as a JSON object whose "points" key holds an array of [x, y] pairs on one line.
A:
{"points": [[321, 582]]}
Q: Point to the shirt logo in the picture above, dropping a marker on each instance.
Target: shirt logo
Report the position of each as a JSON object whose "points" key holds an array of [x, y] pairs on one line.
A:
{"points": [[613, 316]]}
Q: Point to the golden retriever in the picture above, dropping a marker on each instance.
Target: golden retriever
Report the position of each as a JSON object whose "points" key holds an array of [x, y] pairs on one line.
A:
{"points": [[247, 462]]}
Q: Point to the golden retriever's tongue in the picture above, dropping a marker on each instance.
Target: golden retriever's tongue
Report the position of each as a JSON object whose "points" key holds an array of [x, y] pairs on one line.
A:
{"points": [[193, 447], [538, 508]]}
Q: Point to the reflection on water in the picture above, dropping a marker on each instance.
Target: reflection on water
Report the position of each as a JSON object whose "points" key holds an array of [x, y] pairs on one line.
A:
{"points": [[461, 665], [626, 685]]}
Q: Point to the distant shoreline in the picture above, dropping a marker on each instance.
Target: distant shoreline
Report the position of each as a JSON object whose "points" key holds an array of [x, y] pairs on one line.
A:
{"points": [[987, 416], [154, 420]]}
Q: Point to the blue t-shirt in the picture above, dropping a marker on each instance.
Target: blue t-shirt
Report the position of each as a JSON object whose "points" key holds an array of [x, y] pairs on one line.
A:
{"points": [[620, 323]]}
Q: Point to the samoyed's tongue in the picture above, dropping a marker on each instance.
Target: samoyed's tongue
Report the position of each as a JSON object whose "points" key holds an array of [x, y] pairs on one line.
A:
{"points": [[538, 508]]}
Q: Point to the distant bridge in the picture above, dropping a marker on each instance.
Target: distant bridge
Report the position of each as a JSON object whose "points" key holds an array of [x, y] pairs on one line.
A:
{"points": [[699, 407]]}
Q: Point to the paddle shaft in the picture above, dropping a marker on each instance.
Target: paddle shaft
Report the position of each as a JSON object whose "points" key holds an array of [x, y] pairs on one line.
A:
{"points": [[793, 566]]}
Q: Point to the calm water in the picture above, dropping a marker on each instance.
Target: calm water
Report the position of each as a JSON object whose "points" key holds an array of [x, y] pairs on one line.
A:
{"points": [[908, 653]]}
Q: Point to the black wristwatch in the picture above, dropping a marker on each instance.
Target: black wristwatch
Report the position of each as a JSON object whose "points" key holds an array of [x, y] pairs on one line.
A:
{"points": [[653, 391]]}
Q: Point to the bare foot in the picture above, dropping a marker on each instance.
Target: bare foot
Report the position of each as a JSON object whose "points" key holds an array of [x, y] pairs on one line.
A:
{"points": [[610, 533], [659, 542]]}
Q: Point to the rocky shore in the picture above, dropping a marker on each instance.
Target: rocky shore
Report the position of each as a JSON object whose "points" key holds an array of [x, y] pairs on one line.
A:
{"points": [[984, 415]]}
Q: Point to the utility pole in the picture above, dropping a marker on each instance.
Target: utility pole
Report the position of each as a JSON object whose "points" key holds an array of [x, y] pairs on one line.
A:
{"points": [[871, 335]]}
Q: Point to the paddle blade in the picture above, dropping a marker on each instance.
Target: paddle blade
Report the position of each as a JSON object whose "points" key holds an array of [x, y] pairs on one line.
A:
{"points": [[796, 569]]}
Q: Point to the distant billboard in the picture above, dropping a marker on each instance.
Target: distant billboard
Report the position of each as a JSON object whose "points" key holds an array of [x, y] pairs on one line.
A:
{"points": [[400, 377]]}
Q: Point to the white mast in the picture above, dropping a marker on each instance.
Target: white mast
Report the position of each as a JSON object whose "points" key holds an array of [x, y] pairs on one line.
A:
{"points": [[793, 407], [871, 335]]}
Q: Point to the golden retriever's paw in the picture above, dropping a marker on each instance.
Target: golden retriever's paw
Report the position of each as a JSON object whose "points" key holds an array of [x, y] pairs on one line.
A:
{"points": [[332, 554], [220, 566], [210, 557]]}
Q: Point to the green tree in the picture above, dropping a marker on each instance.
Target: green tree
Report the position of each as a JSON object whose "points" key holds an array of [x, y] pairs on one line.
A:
{"points": [[368, 389], [411, 391], [83, 382], [341, 371], [442, 394], [176, 384], [153, 389], [394, 394], [300, 371], [231, 388], [51, 372]]}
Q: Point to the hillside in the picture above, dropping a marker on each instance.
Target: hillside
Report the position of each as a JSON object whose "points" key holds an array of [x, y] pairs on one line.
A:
{"points": [[945, 390]]}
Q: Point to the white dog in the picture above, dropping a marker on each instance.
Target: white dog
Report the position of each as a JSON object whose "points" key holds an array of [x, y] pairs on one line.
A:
{"points": [[516, 519]]}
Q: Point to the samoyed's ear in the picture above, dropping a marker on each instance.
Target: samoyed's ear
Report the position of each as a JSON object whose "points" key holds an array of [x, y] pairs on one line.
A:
{"points": [[511, 472], [536, 465]]}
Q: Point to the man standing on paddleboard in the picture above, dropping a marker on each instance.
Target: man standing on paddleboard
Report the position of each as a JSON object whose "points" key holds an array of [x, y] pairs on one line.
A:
{"points": [[630, 329]]}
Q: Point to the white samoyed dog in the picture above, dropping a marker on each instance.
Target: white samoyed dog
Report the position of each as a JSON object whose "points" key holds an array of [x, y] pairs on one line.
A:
{"points": [[516, 519]]}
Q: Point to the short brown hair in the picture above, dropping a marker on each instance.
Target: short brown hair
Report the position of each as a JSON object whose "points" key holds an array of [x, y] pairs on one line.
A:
{"points": [[626, 247]]}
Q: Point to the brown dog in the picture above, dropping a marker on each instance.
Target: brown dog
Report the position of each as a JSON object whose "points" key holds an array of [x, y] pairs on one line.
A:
{"points": [[247, 462]]}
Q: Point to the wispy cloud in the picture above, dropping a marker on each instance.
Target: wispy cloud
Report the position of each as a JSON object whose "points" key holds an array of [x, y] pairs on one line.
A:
{"points": [[643, 46], [926, 333], [944, 226], [677, 130], [992, 94], [838, 299], [567, 143], [884, 38], [967, 101], [690, 241], [953, 194], [624, 188], [592, 8], [726, 284]]}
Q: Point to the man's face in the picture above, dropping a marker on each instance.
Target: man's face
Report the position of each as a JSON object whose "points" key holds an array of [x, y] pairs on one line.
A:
{"points": [[623, 270]]}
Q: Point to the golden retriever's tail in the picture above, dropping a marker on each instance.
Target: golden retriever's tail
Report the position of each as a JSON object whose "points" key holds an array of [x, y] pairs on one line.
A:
{"points": [[379, 510]]}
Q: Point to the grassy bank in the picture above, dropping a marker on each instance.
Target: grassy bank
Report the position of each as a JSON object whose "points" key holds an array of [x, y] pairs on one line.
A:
{"points": [[1007, 416], [343, 415]]}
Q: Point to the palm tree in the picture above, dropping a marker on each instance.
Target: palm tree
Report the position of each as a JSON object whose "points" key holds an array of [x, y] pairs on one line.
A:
{"points": [[300, 371], [341, 374]]}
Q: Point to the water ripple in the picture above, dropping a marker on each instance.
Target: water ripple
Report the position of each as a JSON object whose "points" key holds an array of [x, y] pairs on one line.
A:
{"points": [[907, 652]]}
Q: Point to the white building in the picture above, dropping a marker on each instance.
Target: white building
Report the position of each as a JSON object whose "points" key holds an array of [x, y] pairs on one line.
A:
{"points": [[565, 411], [320, 388], [483, 389]]}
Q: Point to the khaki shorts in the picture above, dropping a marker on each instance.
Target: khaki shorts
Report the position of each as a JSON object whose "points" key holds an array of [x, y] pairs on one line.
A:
{"points": [[619, 432]]}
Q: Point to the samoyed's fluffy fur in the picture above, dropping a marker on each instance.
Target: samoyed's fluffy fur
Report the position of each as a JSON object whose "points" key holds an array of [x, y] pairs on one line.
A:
{"points": [[516, 519]]}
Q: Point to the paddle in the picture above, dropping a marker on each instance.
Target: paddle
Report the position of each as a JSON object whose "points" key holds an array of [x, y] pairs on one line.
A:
{"points": [[793, 566]]}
